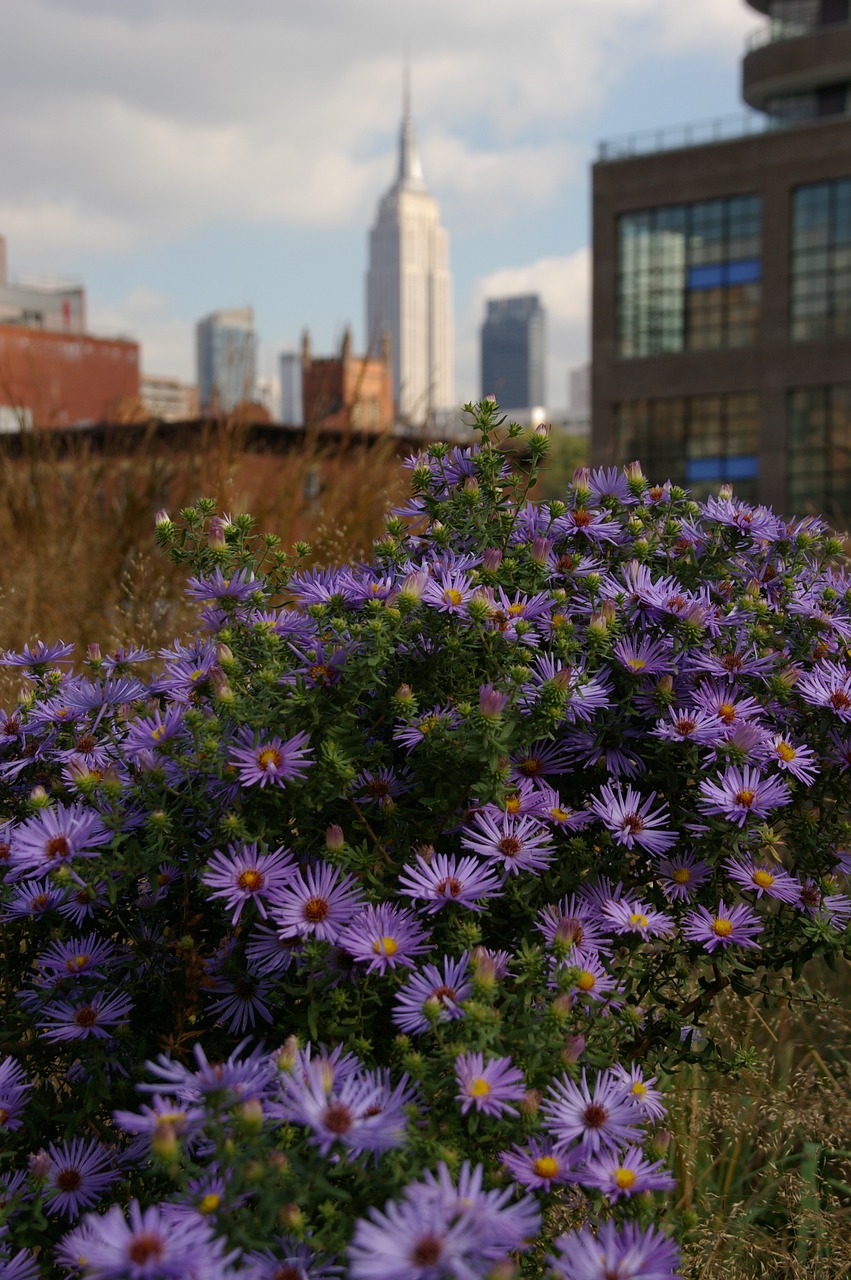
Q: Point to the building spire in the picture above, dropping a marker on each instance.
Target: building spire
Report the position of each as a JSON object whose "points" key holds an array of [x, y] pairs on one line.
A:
{"points": [[410, 169]]}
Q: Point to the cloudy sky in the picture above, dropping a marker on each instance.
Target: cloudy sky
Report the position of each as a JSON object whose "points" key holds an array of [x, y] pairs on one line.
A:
{"points": [[178, 156]]}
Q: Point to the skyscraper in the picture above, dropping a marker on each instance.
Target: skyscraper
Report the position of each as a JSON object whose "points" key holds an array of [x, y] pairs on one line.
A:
{"points": [[409, 288], [513, 352], [227, 359]]}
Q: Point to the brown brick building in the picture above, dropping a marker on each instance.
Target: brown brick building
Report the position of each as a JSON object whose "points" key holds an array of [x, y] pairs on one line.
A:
{"points": [[346, 392], [721, 330]]}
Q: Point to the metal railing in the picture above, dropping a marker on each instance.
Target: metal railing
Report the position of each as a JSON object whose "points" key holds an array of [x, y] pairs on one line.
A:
{"points": [[777, 31], [675, 137]]}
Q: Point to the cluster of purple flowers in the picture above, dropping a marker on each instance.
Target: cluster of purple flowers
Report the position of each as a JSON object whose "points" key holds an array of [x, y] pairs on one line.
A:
{"points": [[440, 812]]}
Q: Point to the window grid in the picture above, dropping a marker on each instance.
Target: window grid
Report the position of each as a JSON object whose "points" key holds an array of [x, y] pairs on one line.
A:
{"points": [[697, 441], [819, 452], [689, 276], [820, 273]]}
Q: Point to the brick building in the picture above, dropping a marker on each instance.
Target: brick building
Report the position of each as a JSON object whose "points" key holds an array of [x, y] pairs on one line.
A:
{"points": [[347, 392], [721, 330], [60, 380]]}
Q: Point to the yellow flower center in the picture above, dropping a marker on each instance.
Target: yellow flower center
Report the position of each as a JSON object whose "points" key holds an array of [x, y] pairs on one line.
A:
{"points": [[452, 596], [479, 1088], [586, 980], [639, 1089], [763, 879], [514, 609], [745, 797], [269, 758], [209, 1203], [637, 920], [636, 664], [625, 1178], [512, 804], [385, 946], [727, 712], [559, 815], [75, 963], [545, 1167], [682, 875], [786, 751], [158, 733], [721, 927], [250, 880]]}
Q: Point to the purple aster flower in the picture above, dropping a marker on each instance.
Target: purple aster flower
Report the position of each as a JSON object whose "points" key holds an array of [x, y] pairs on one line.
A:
{"points": [[627, 916], [519, 844], [643, 656], [840, 753], [384, 937], [690, 724], [241, 1077], [447, 878], [360, 1111], [572, 924], [450, 594], [39, 657], [722, 699], [381, 786], [242, 875], [589, 980], [430, 996], [828, 685], [415, 1239], [608, 484], [164, 1115], [538, 760], [762, 878], [602, 1120], [594, 525], [14, 1090], [729, 926], [681, 874], [801, 762], [268, 951], [83, 957], [317, 902], [625, 1175], [33, 899], [291, 1260], [240, 1001], [20, 1266], [546, 803], [648, 1098], [632, 822], [538, 1166], [835, 908], [489, 1086], [80, 1172], [612, 1252], [320, 667], [149, 733], [156, 1244], [269, 759], [54, 836], [437, 719], [743, 793], [81, 1018], [241, 586]]}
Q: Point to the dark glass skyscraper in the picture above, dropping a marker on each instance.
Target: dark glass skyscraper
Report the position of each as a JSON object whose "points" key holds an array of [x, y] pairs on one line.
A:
{"points": [[513, 352]]}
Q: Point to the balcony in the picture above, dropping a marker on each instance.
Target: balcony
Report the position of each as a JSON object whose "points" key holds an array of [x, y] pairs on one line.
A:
{"points": [[789, 65]]}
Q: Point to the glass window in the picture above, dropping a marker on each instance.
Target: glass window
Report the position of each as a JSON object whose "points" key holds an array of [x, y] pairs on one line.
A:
{"points": [[699, 441], [820, 273], [689, 276], [819, 469]]}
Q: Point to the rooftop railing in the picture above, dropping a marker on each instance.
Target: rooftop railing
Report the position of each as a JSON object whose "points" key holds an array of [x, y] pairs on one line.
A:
{"points": [[789, 29], [675, 137]]}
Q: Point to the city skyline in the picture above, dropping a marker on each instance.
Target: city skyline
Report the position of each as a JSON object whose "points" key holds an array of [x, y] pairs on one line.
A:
{"points": [[178, 159]]}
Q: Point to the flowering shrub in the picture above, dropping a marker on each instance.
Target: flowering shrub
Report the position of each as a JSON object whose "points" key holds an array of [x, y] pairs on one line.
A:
{"points": [[360, 938]]}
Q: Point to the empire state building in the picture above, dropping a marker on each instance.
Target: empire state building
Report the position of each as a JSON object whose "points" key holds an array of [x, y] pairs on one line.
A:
{"points": [[409, 289]]}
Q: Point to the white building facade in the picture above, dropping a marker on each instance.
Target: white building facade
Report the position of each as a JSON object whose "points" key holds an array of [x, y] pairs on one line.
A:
{"points": [[409, 290]]}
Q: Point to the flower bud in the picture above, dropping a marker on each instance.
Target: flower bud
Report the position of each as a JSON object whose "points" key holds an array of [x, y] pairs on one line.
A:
{"points": [[334, 838], [491, 702], [38, 798], [164, 1142], [530, 1102], [249, 1115], [286, 1057], [573, 1050], [39, 1163], [491, 559], [290, 1216], [541, 548]]}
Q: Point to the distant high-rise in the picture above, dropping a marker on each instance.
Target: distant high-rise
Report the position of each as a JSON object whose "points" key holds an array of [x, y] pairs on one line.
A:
{"points": [[409, 288], [513, 352], [227, 359]]}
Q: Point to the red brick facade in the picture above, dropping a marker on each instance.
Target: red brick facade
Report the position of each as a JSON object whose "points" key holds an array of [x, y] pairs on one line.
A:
{"points": [[347, 392], [63, 380]]}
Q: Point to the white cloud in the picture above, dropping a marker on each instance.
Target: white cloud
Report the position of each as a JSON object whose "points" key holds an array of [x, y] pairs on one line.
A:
{"points": [[564, 287], [151, 319]]}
